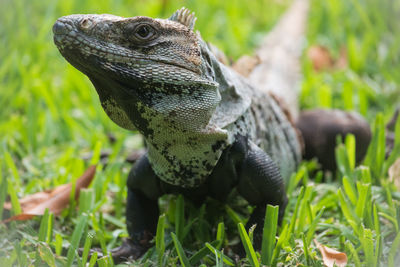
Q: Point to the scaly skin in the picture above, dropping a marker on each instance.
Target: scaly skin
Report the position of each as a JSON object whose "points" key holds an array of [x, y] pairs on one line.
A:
{"points": [[207, 130]]}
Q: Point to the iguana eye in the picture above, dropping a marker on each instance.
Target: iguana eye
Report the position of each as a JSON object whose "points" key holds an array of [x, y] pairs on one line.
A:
{"points": [[144, 32]]}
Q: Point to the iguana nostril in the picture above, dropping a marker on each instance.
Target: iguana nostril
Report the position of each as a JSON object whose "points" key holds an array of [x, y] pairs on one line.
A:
{"points": [[60, 28], [86, 23]]}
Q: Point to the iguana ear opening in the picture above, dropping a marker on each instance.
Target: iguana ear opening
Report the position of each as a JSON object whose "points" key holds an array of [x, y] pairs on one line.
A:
{"points": [[185, 17]]}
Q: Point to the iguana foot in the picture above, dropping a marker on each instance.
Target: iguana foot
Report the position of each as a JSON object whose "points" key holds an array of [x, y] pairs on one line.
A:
{"points": [[320, 127], [128, 251]]}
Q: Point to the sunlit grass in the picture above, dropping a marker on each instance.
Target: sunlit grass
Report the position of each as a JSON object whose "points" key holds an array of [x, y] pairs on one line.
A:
{"points": [[50, 118]]}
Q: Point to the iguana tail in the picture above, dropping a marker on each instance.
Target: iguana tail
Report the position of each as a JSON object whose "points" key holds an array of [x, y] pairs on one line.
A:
{"points": [[278, 70]]}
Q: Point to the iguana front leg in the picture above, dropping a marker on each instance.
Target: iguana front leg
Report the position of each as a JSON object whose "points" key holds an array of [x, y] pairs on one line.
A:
{"points": [[141, 211], [261, 183]]}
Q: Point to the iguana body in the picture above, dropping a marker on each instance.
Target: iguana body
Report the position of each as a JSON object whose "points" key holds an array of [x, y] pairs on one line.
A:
{"points": [[206, 128], [188, 105]]}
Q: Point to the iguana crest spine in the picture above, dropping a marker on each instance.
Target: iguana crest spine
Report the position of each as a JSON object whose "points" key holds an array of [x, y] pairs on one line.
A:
{"points": [[185, 17]]}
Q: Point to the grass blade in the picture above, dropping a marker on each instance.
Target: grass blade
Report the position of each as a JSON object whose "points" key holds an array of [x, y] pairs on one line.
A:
{"points": [[86, 248], [296, 209], [376, 150], [303, 210], [96, 153], [363, 195], [220, 234], [236, 218], [363, 174], [86, 200], [306, 249], [347, 210], [3, 192], [367, 243], [49, 235], [377, 227], [93, 259], [160, 238], [251, 254], [76, 237], [202, 252], [13, 169], [179, 217], [46, 254], [44, 222], [348, 187], [281, 240], [179, 250], [394, 250], [313, 226], [58, 244], [269, 234], [20, 256], [219, 255], [342, 159], [350, 143], [16, 207], [354, 253]]}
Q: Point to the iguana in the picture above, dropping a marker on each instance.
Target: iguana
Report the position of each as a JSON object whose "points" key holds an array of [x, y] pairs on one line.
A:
{"points": [[207, 129]]}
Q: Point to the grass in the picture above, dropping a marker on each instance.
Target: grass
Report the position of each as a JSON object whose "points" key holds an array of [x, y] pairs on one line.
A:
{"points": [[50, 118]]}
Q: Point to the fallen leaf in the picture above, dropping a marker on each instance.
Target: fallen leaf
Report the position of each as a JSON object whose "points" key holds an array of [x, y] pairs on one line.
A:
{"points": [[55, 200], [33, 200], [331, 257], [19, 217], [320, 57], [394, 173]]}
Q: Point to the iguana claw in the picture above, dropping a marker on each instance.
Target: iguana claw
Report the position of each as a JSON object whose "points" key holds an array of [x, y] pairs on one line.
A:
{"points": [[126, 252]]}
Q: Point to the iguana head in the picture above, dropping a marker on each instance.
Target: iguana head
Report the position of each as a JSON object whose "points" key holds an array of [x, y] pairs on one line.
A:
{"points": [[142, 68]]}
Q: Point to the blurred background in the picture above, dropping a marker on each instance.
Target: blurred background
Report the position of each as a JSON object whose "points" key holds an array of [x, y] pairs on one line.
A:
{"points": [[50, 116]]}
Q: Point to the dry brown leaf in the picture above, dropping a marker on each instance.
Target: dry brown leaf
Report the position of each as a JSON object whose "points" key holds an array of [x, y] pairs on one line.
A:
{"points": [[19, 217], [320, 57], [33, 200], [55, 200], [394, 173], [331, 256]]}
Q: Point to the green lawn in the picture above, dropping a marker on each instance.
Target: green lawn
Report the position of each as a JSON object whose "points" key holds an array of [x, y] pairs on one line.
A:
{"points": [[50, 119]]}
